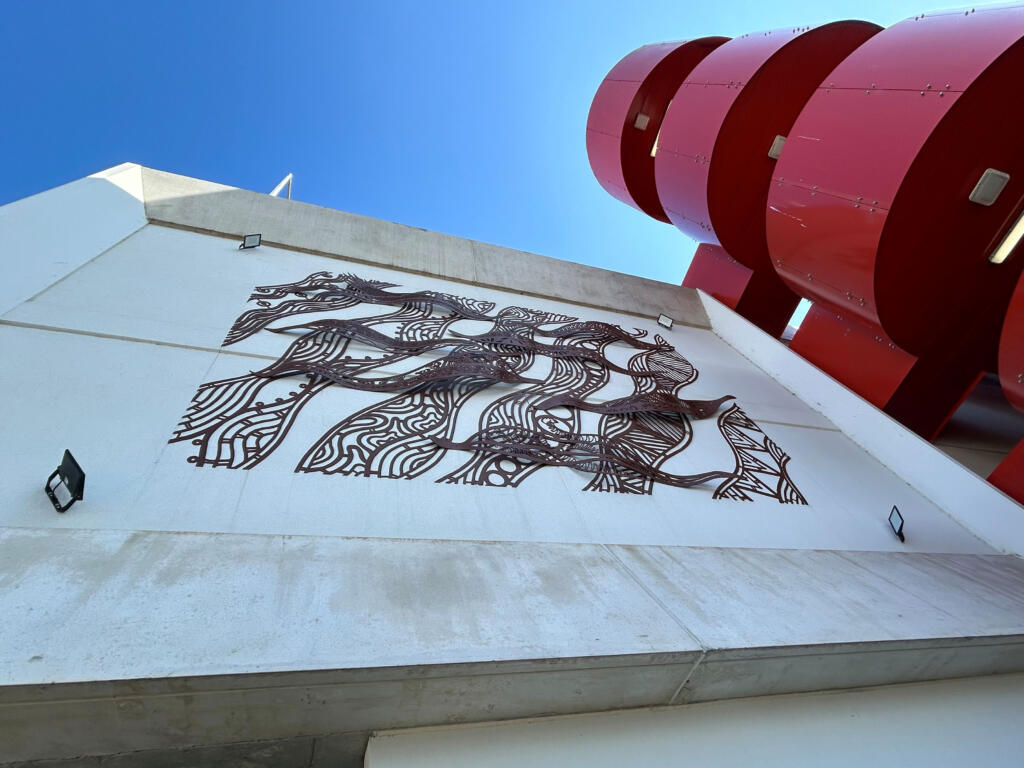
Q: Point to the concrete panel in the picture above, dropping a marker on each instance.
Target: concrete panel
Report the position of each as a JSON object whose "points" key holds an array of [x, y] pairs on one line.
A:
{"points": [[207, 639], [216, 604], [941, 724], [753, 598], [69, 720], [47, 236], [216, 208], [734, 674], [282, 753]]}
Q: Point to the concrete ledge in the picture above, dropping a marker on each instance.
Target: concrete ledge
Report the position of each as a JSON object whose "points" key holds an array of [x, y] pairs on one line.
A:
{"points": [[316, 635], [151, 722], [217, 209]]}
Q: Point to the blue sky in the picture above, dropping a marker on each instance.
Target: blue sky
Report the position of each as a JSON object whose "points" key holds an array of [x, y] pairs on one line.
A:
{"points": [[462, 117]]}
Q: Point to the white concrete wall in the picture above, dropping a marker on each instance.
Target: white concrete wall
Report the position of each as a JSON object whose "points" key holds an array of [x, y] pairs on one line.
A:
{"points": [[49, 235], [139, 328], [966, 722]]}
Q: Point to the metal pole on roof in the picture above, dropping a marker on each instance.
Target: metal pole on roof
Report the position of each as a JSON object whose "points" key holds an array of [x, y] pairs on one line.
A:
{"points": [[277, 190]]}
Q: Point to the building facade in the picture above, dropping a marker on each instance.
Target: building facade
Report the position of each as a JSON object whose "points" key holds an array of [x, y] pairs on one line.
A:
{"points": [[364, 479]]}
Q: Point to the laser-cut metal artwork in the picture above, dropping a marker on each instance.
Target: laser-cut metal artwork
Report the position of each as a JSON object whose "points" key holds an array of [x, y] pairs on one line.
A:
{"points": [[657, 437], [356, 330], [648, 402], [510, 339], [234, 423], [459, 364], [537, 422], [368, 292], [586, 453], [393, 438], [519, 409], [310, 298], [602, 330], [760, 462]]}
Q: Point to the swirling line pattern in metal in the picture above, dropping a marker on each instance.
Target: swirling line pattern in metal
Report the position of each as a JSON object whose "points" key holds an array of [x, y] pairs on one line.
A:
{"points": [[586, 453], [647, 402], [393, 438], [238, 422], [567, 374], [760, 462], [657, 437]]}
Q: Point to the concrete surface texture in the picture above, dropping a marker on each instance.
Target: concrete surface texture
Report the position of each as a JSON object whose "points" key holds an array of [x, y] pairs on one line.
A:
{"points": [[248, 615], [935, 724]]}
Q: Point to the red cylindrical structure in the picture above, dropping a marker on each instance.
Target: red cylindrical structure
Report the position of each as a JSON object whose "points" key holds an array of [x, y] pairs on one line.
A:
{"points": [[869, 209], [1011, 348], [713, 167], [870, 212], [1009, 475], [626, 115]]}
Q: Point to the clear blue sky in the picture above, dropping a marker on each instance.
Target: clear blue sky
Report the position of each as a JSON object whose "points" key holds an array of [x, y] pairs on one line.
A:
{"points": [[462, 117]]}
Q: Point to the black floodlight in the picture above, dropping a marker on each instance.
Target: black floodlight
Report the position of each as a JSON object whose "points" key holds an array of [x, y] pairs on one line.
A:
{"points": [[665, 321], [250, 241], [896, 521], [73, 479]]}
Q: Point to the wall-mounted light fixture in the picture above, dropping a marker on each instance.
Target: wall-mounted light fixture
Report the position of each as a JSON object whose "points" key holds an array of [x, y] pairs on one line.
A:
{"points": [[1008, 243], [665, 321], [989, 187], [776, 148], [72, 477], [896, 523], [251, 241]]}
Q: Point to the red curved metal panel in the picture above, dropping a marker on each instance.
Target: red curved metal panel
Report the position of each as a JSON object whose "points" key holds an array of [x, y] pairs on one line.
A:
{"points": [[712, 167], [1011, 349], [868, 210], [626, 115]]}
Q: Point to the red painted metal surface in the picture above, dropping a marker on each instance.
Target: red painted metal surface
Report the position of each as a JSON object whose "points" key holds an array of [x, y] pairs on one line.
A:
{"points": [[765, 302], [618, 145], [922, 393], [1011, 348], [1009, 475], [715, 272], [859, 356], [868, 211], [712, 167]]}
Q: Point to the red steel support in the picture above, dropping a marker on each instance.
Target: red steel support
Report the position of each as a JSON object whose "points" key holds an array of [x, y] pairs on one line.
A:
{"points": [[758, 296]]}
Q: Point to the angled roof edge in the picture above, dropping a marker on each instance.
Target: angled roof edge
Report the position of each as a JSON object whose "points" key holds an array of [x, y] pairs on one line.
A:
{"points": [[205, 206]]}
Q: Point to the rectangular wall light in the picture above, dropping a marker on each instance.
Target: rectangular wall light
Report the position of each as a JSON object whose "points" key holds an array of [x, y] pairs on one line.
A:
{"points": [[1008, 243]]}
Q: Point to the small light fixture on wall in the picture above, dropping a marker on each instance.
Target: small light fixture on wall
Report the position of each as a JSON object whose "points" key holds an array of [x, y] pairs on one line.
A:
{"points": [[896, 522], [72, 477], [665, 321], [251, 241]]}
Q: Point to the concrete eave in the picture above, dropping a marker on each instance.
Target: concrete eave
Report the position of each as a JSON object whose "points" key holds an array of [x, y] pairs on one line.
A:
{"points": [[203, 206]]}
